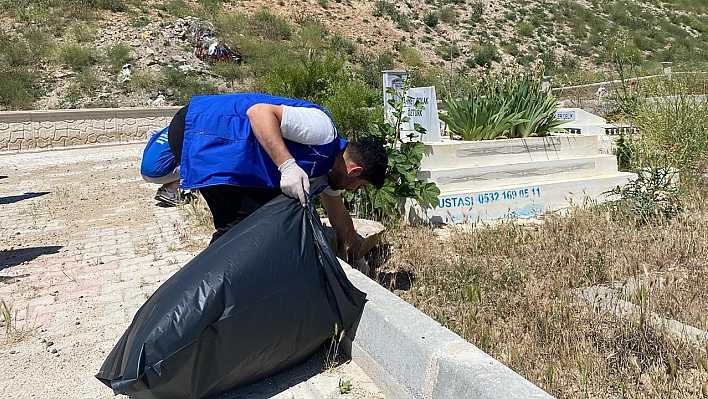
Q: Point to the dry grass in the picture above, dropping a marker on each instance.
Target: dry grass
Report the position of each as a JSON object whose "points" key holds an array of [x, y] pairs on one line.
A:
{"points": [[16, 324], [510, 289]]}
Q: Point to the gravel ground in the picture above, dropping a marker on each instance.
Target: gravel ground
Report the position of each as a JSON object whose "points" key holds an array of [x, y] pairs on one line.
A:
{"points": [[83, 245]]}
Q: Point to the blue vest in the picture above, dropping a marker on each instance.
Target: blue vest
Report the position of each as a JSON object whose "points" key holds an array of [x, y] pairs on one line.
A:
{"points": [[220, 147], [157, 160]]}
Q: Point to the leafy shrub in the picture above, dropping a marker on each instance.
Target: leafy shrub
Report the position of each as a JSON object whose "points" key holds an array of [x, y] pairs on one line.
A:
{"points": [[311, 36], [371, 66], [383, 7], [448, 51], [118, 55], [76, 56], [83, 84], [139, 21], [351, 104], [310, 78], [404, 160], [112, 5], [410, 56], [477, 10], [486, 55], [267, 25], [342, 45], [448, 15], [20, 88], [84, 33], [140, 80], [229, 70], [431, 19], [652, 197], [524, 29], [183, 85], [15, 52], [673, 124]]}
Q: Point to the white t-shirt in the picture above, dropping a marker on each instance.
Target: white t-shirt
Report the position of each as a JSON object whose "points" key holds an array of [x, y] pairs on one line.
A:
{"points": [[309, 126], [306, 126]]}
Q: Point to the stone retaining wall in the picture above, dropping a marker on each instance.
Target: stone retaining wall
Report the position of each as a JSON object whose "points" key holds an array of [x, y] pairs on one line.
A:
{"points": [[32, 130]]}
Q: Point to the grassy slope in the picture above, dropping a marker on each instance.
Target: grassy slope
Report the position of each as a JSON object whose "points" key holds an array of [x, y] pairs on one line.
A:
{"points": [[576, 40]]}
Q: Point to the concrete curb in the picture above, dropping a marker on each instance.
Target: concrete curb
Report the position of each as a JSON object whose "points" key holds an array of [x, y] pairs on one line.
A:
{"points": [[410, 355]]}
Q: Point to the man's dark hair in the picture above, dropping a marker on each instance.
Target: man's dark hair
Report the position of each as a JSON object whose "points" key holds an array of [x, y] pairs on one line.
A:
{"points": [[371, 156]]}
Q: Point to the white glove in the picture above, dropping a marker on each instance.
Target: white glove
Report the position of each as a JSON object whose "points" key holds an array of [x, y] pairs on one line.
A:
{"points": [[294, 182], [362, 266]]}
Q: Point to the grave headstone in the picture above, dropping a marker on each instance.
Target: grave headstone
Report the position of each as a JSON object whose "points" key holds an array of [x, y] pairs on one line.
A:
{"points": [[395, 79], [427, 117]]}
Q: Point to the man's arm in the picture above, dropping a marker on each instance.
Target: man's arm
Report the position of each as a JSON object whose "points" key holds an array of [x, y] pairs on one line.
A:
{"points": [[342, 223], [265, 123]]}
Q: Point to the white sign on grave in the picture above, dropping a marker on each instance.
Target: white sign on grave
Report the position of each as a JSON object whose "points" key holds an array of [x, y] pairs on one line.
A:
{"points": [[426, 117], [395, 79], [565, 115]]}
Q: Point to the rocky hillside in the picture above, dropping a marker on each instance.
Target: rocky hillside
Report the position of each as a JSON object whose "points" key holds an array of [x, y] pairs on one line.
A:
{"points": [[108, 53]]}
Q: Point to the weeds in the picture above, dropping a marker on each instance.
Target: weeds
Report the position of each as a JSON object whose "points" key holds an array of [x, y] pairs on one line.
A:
{"points": [[197, 213], [333, 349], [10, 322], [118, 55], [654, 196], [506, 287], [75, 56]]}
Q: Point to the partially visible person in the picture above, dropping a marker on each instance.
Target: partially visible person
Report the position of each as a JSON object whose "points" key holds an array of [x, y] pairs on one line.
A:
{"points": [[242, 150], [159, 166]]}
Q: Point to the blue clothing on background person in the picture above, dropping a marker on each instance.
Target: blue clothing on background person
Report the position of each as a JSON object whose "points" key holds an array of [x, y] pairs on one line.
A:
{"points": [[158, 160]]}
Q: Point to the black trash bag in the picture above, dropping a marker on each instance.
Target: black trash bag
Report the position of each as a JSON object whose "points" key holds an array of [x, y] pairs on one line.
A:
{"points": [[261, 299]]}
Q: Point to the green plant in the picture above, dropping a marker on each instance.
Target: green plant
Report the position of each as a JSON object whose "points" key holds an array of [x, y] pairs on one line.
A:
{"points": [[496, 106], [20, 88], [448, 51], [477, 10], [448, 15], [350, 102], [624, 152], [267, 25], [84, 33], [341, 45], [139, 21], [383, 7], [112, 5], [76, 56], [10, 321], [83, 84], [478, 118], [184, 85], [311, 36], [371, 65], [309, 79], [524, 29], [653, 196], [486, 54], [118, 55], [431, 19], [410, 56], [176, 8], [142, 80], [404, 159], [345, 386]]}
